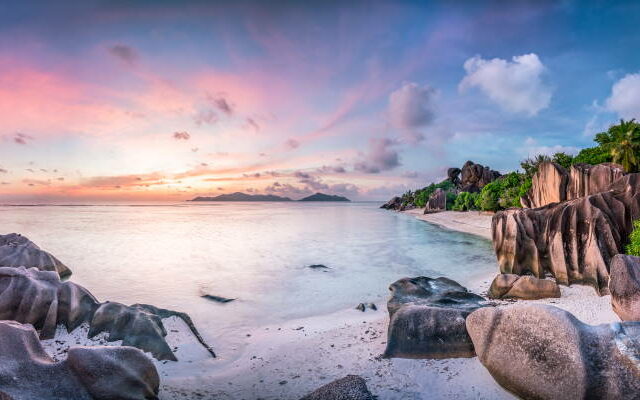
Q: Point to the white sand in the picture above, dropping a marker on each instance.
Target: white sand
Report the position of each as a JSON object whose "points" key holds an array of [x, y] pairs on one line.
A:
{"points": [[288, 360], [474, 222]]}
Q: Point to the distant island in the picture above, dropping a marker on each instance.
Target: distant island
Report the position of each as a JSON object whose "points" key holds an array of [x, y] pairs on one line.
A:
{"points": [[324, 197], [238, 196]]}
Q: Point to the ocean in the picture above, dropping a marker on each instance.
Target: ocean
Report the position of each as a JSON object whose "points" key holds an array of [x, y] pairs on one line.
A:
{"points": [[169, 255]]}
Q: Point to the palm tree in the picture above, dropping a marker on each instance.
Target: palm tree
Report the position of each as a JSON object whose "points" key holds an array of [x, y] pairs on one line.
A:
{"points": [[623, 141]]}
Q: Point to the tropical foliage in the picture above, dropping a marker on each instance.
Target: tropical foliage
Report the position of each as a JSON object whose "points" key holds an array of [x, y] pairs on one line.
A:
{"points": [[622, 141], [633, 248]]}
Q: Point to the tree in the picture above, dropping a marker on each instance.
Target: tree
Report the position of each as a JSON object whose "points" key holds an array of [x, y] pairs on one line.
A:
{"points": [[530, 165], [562, 159], [623, 143]]}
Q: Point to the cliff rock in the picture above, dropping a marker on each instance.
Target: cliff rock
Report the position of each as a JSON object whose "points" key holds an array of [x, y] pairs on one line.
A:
{"points": [[572, 241], [510, 286], [475, 176], [553, 183]]}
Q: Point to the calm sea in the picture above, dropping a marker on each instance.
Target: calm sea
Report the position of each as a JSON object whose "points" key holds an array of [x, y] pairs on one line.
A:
{"points": [[170, 254]]}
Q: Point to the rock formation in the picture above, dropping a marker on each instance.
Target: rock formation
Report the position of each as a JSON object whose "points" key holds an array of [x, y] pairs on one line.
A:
{"points": [[453, 175], [624, 285], [28, 373], [16, 251], [552, 183], [573, 241], [437, 202], [543, 352], [393, 204], [39, 298], [475, 176], [510, 286], [427, 318], [351, 387]]}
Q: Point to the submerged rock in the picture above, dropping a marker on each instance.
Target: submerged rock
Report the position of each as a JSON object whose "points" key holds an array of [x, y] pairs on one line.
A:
{"points": [[219, 299], [624, 285], [363, 307], [427, 318], [27, 372], [510, 286], [543, 352], [351, 387], [318, 266], [18, 251], [39, 298], [573, 241]]}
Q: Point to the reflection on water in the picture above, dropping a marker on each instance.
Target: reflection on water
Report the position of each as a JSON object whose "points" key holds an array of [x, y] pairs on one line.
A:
{"points": [[168, 255]]}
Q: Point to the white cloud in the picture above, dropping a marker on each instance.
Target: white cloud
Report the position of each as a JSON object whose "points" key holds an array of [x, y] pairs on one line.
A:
{"points": [[531, 148], [411, 107], [625, 97], [516, 85]]}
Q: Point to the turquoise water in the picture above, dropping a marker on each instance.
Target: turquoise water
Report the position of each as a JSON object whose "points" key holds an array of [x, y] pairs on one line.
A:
{"points": [[168, 255]]}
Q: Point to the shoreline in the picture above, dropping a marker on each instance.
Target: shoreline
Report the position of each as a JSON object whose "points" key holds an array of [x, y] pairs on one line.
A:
{"points": [[473, 222], [291, 359]]}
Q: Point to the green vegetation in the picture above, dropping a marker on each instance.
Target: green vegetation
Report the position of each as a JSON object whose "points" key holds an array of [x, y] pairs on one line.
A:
{"points": [[421, 196], [619, 144], [633, 248]]}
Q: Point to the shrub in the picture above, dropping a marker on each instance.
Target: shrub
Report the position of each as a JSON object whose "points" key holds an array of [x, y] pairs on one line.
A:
{"points": [[504, 192], [593, 155], [633, 248], [563, 159], [451, 199], [465, 201]]}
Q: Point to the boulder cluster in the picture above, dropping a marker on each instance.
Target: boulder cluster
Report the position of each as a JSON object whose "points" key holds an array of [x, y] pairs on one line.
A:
{"points": [[472, 177], [534, 351], [31, 292]]}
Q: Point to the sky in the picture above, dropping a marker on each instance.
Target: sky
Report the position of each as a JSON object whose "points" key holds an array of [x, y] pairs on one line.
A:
{"points": [[160, 100]]}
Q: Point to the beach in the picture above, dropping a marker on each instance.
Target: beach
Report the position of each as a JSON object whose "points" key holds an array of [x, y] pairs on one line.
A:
{"points": [[291, 359]]}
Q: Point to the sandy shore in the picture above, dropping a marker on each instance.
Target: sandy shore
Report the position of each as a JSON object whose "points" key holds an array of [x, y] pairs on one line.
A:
{"points": [[473, 222], [289, 360]]}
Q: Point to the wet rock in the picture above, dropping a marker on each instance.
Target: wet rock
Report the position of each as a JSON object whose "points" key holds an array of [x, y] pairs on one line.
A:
{"points": [[18, 251], [437, 202], [543, 352], [393, 204], [553, 183], [427, 318], [318, 266], [28, 373], [351, 387], [510, 286], [363, 307], [624, 285], [218, 299], [572, 241], [39, 298]]}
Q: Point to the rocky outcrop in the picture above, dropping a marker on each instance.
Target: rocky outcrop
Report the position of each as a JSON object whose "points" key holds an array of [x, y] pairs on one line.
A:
{"points": [[351, 387], [510, 286], [393, 204], [624, 285], [475, 176], [99, 373], [549, 185], [427, 318], [543, 352], [553, 184], [453, 175], [437, 202], [18, 251], [572, 241], [39, 298]]}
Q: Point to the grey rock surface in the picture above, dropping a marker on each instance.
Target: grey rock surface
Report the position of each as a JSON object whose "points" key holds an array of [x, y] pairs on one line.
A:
{"points": [[18, 251]]}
